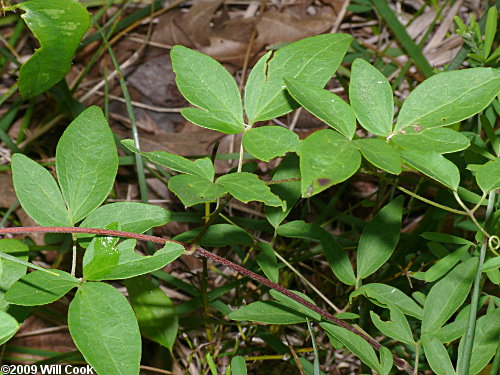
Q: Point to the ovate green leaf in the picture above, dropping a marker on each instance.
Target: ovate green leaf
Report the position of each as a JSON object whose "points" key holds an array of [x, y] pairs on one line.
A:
{"points": [[267, 262], [436, 355], [101, 256], [268, 142], [285, 300], [269, 312], [8, 327], [238, 366], [396, 328], [193, 190], [105, 330], [10, 271], [488, 175], [380, 154], [445, 264], [440, 140]]}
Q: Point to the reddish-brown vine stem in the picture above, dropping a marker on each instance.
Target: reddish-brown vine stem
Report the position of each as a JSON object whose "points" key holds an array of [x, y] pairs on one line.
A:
{"points": [[399, 362]]}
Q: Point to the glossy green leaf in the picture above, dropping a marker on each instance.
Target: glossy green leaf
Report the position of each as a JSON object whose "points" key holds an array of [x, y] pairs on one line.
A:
{"points": [[288, 191], [208, 85], [218, 235], [40, 288], [154, 310], [371, 98], [175, 162], [379, 238], [130, 216], [10, 271], [101, 256], [380, 154], [59, 25], [247, 187], [269, 312], [313, 60], [268, 142], [324, 104], [445, 264], [8, 327], [291, 303], [337, 161], [440, 140], [355, 344], [449, 97], [268, 262], [385, 295], [396, 328], [38, 193], [238, 366], [488, 175], [86, 163], [456, 287], [437, 355], [131, 264], [193, 190], [105, 330], [434, 165]]}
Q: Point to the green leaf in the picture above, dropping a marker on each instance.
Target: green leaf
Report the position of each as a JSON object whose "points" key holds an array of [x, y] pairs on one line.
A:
{"points": [[8, 327], [238, 366], [101, 256], [371, 98], [440, 140], [288, 191], [131, 264], [193, 190], [446, 238], [10, 271], [59, 26], [491, 264], [490, 30], [380, 154], [337, 161], [313, 60], [445, 264], [218, 235], [267, 262], [396, 328], [268, 142], [325, 105], [130, 216], [452, 331], [175, 162], [248, 187], [379, 238], [105, 330], [154, 310], [206, 84], [449, 97], [86, 163], [434, 165], [38, 193], [456, 287], [40, 288], [386, 295], [488, 175], [269, 312], [355, 344], [291, 303], [437, 355]]}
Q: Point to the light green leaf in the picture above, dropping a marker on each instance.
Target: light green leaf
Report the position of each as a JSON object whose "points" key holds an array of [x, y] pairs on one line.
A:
{"points": [[101, 256], [10, 271], [436, 355], [313, 59], [489, 265], [38, 193], [434, 165], [440, 140], [337, 161], [396, 328], [325, 105], [268, 142], [8, 327], [86, 163], [247, 187], [218, 235], [207, 84], [380, 154], [59, 25], [385, 295], [452, 331], [131, 264], [456, 287], [238, 366], [371, 98], [449, 97], [175, 162], [105, 330], [193, 190], [379, 238], [40, 288], [445, 264], [488, 175], [154, 310], [291, 303], [269, 312], [386, 361], [267, 262]]}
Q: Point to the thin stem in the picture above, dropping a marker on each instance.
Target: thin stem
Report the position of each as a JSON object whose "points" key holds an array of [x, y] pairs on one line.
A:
{"points": [[73, 257], [399, 362], [471, 215]]}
